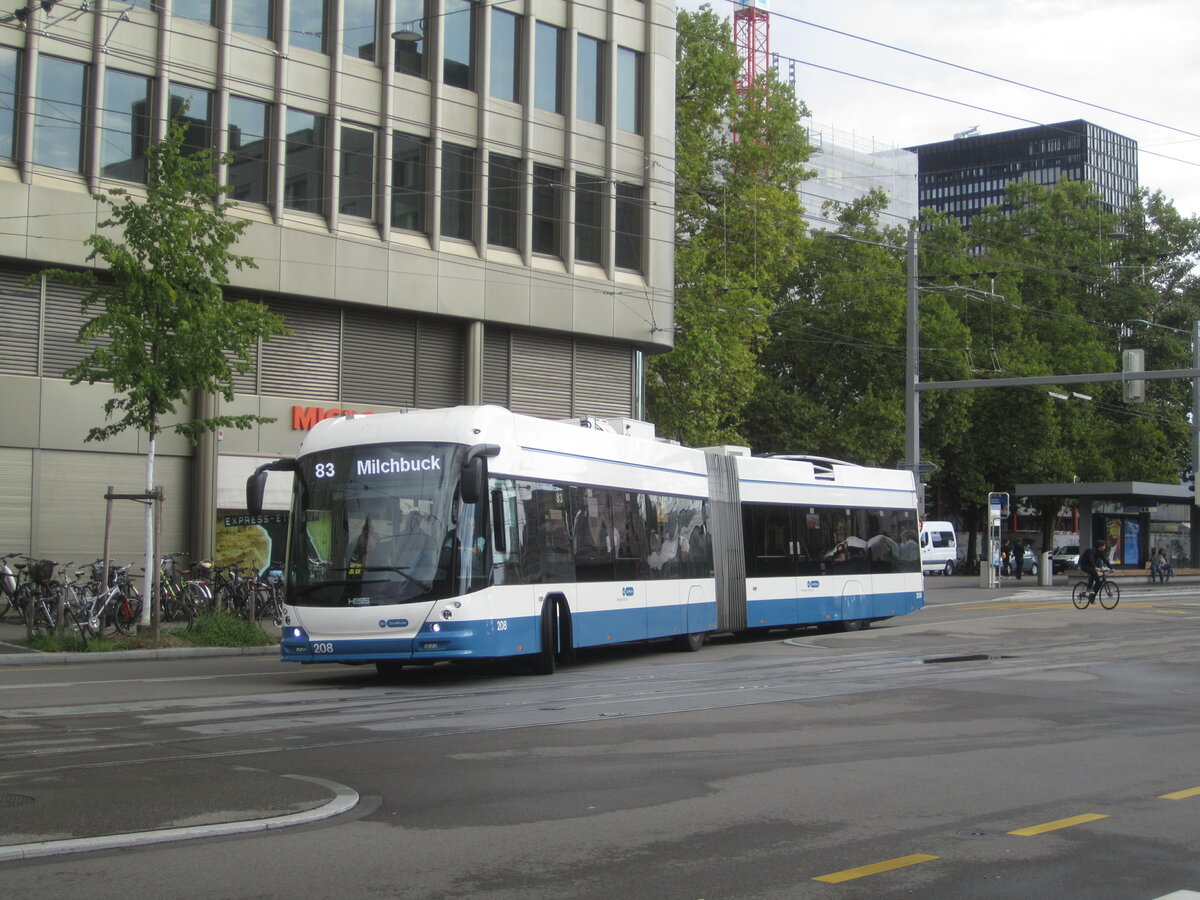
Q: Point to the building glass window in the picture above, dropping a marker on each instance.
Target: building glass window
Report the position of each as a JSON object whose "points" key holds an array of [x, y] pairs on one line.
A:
{"points": [[357, 188], [58, 118], [358, 28], [254, 17], [458, 23], [589, 218], [408, 182], [304, 169], [547, 79], [249, 130], [9, 67], [193, 106], [589, 80], [308, 24], [547, 210], [630, 227], [198, 10], [411, 16], [629, 90], [504, 200], [125, 126], [506, 55], [458, 191]]}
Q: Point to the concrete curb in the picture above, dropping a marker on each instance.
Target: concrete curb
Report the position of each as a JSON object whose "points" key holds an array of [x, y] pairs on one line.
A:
{"points": [[345, 799], [39, 658]]}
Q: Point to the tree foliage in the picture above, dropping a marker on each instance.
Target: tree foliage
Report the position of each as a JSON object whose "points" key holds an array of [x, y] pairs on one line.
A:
{"points": [[160, 326], [739, 233]]}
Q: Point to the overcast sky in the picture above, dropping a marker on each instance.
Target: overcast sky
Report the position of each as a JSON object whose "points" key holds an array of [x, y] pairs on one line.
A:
{"points": [[1135, 57]]}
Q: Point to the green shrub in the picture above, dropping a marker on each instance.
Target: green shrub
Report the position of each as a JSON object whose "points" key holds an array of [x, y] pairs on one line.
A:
{"points": [[217, 629]]}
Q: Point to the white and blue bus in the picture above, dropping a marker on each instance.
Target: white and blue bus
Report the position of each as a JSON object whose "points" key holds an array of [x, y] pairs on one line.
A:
{"points": [[476, 533]]}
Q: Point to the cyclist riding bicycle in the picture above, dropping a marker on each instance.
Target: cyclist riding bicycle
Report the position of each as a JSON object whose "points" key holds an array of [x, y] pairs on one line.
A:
{"points": [[1094, 561]]}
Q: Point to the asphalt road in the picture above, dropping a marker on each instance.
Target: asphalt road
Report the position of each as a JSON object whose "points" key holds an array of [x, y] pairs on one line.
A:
{"points": [[997, 744]]}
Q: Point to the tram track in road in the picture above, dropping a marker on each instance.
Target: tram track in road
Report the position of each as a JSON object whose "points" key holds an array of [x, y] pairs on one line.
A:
{"points": [[80, 737]]}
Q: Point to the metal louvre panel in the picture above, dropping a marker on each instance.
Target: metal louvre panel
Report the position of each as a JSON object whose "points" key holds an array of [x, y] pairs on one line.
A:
{"points": [[379, 358], [63, 320], [541, 374], [70, 513], [247, 382], [497, 347], [440, 361], [305, 362], [16, 500], [724, 510], [20, 303], [603, 379]]}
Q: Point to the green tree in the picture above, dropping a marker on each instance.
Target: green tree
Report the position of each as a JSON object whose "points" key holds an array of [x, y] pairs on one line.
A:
{"points": [[739, 233], [160, 327], [834, 369], [1066, 277]]}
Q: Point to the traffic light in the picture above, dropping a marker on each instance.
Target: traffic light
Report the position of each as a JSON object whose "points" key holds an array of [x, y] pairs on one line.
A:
{"points": [[1133, 362]]}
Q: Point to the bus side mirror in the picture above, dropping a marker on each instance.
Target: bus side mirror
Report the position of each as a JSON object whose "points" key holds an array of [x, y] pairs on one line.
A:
{"points": [[256, 487], [474, 471], [256, 484]]}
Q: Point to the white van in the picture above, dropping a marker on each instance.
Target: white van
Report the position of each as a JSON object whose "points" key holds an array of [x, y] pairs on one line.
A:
{"points": [[939, 547]]}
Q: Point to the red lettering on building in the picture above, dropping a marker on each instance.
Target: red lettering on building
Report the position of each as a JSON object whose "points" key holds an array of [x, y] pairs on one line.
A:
{"points": [[305, 417]]}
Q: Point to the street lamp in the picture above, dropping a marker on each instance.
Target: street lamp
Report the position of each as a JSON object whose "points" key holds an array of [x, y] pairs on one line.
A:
{"points": [[912, 357]]}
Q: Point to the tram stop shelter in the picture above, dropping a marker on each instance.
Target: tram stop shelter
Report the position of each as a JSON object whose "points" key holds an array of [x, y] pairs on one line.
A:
{"points": [[1134, 517]]}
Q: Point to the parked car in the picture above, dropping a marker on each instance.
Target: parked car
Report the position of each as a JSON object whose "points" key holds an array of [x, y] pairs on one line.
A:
{"points": [[1065, 558]]}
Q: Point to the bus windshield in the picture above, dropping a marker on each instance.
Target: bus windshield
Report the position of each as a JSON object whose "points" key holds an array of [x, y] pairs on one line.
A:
{"points": [[375, 525]]}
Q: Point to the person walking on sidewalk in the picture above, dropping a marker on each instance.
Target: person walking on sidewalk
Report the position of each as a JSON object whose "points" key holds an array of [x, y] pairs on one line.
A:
{"points": [[1018, 558]]}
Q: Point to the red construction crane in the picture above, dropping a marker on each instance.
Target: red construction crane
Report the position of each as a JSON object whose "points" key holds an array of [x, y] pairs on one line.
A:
{"points": [[752, 37]]}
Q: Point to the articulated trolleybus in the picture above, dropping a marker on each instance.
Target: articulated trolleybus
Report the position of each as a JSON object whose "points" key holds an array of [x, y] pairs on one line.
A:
{"points": [[475, 533]]}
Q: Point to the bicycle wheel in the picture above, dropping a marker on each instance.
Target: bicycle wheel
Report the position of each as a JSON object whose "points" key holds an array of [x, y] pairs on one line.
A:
{"points": [[179, 611], [1109, 595], [1079, 596], [126, 613], [197, 597]]}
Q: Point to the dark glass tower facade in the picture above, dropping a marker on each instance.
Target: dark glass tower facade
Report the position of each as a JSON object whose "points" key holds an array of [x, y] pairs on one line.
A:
{"points": [[963, 176]]}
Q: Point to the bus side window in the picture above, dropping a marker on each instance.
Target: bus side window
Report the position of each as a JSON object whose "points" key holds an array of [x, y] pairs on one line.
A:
{"points": [[506, 559]]}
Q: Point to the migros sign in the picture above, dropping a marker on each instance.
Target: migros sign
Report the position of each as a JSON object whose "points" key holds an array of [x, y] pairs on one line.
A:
{"points": [[305, 417]]}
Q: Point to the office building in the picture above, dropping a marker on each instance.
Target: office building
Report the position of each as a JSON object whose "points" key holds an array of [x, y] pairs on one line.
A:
{"points": [[451, 201], [848, 166], [963, 176]]}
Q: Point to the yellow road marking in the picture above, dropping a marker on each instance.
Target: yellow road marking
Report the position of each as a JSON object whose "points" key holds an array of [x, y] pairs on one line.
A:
{"points": [[1181, 795], [875, 868], [1060, 823]]}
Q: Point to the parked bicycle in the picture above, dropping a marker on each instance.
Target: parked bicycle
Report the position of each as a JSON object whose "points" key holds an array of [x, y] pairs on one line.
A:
{"points": [[1107, 592]]}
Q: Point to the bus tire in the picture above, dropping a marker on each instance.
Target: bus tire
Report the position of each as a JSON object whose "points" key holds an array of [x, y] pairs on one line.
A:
{"points": [[853, 624], [545, 661], [388, 668], [689, 643]]}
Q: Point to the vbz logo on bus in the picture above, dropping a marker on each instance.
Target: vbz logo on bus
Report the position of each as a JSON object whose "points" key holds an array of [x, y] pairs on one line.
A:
{"points": [[814, 583], [627, 592]]}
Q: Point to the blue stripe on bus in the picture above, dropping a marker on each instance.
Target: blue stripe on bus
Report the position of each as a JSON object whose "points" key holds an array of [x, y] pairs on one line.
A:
{"points": [[482, 639]]}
